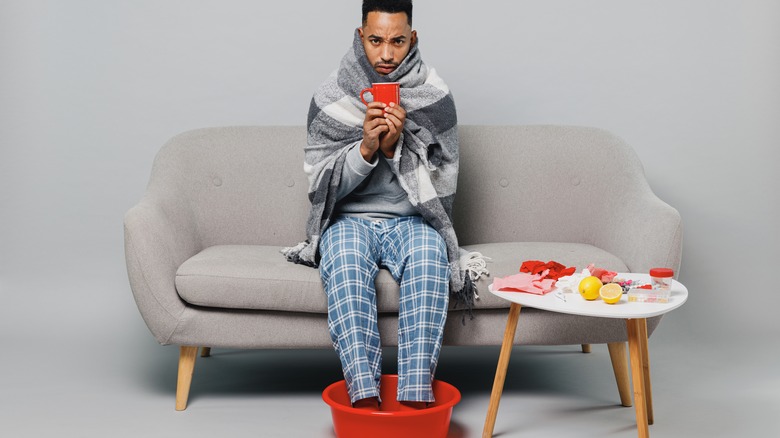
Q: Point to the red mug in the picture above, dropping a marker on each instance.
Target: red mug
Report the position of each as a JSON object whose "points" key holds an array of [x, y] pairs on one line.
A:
{"points": [[387, 92]]}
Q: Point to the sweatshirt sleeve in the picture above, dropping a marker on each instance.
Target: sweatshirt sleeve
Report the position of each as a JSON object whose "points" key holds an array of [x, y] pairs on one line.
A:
{"points": [[354, 171]]}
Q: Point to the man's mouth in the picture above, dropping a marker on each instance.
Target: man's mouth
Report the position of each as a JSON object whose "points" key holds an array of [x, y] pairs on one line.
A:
{"points": [[385, 68]]}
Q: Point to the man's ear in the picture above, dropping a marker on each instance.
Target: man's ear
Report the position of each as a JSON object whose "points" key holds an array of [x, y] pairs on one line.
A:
{"points": [[414, 37], [360, 31]]}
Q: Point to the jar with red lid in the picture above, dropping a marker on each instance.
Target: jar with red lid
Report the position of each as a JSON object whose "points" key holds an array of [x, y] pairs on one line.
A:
{"points": [[661, 278]]}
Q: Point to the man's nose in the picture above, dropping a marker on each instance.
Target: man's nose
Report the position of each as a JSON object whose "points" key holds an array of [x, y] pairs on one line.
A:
{"points": [[387, 53]]}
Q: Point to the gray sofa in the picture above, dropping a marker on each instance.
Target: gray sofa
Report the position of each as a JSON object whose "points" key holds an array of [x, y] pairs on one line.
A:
{"points": [[202, 246]]}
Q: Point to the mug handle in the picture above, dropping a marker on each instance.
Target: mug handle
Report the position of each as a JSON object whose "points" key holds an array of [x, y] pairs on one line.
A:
{"points": [[370, 90]]}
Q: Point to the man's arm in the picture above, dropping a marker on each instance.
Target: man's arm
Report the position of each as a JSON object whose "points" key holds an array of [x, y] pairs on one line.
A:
{"points": [[355, 170], [382, 128]]}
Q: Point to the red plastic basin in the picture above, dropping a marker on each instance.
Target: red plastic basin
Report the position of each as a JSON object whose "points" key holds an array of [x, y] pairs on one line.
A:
{"points": [[392, 420]]}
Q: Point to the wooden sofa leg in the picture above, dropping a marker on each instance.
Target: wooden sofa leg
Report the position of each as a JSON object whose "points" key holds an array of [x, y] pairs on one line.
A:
{"points": [[186, 367], [205, 352], [586, 348], [617, 352]]}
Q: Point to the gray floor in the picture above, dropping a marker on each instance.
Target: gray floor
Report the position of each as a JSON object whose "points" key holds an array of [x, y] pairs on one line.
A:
{"points": [[98, 373]]}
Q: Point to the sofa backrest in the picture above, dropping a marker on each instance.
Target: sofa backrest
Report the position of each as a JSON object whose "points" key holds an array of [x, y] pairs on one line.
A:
{"points": [[542, 183], [246, 185]]}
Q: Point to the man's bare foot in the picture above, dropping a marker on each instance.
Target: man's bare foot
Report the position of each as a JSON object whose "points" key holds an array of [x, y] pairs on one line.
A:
{"points": [[367, 404]]}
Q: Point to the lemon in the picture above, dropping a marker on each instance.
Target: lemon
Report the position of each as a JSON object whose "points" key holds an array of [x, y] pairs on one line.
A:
{"points": [[589, 288], [611, 293]]}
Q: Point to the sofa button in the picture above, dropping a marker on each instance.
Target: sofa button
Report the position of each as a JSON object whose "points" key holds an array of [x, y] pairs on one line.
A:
{"points": [[290, 182], [217, 181], [575, 181], [503, 182]]}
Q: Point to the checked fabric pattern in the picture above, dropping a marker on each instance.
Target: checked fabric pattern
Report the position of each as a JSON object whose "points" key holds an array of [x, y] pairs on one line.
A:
{"points": [[353, 250]]}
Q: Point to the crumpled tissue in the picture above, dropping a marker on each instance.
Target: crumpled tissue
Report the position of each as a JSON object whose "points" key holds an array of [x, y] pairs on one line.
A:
{"points": [[571, 283]]}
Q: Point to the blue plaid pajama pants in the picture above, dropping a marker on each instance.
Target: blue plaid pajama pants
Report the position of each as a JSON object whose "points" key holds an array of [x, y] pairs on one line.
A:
{"points": [[353, 250]]}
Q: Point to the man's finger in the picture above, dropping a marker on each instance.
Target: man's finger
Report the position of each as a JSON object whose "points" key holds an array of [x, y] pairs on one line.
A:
{"points": [[392, 119], [379, 121], [377, 130], [374, 113], [398, 110], [391, 127]]}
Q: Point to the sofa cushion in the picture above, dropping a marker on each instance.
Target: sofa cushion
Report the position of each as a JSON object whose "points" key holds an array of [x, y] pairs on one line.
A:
{"points": [[259, 277]]}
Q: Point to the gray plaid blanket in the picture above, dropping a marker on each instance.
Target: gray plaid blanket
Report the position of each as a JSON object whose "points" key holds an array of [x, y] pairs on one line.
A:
{"points": [[425, 160]]}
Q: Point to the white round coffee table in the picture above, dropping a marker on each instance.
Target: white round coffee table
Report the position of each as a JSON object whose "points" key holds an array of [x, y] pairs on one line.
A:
{"points": [[634, 313]]}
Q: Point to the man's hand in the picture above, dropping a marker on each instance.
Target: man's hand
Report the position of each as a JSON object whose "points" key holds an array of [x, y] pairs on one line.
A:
{"points": [[382, 128], [374, 127], [395, 116]]}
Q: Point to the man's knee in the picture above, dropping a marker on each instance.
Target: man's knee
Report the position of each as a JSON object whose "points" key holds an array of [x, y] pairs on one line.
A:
{"points": [[346, 256], [429, 246], [345, 243]]}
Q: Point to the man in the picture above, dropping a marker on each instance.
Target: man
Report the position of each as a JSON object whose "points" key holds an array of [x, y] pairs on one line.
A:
{"points": [[382, 180]]}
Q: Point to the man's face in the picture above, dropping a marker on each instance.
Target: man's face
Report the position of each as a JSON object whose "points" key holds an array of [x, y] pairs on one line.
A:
{"points": [[387, 38]]}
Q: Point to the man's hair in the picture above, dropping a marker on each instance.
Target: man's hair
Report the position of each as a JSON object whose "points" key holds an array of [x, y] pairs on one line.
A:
{"points": [[389, 6]]}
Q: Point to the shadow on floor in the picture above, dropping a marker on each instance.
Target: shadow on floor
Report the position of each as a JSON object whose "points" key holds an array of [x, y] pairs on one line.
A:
{"points": [[232, 372]]}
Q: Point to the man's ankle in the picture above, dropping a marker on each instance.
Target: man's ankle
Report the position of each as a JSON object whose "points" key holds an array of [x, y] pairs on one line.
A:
{"points": [[368, 404], [415, 404]]}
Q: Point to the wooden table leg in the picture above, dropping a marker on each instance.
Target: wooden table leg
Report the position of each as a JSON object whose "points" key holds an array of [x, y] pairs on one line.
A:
{"points": [[646, 369], [617, 353], [503, 363], [637, 374]]}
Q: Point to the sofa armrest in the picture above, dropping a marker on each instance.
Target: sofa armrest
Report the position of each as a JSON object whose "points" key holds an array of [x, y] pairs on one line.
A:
{"points": [[157, 241], [644, 231]]}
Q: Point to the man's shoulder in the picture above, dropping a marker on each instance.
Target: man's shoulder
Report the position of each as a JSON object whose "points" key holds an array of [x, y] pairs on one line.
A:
{"points": [[329, 81], [331, 99], [433, 79], [329, 89]]}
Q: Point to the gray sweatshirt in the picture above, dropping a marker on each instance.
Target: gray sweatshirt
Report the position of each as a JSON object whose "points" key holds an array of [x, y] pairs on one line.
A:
{"points": [[371, 190]]}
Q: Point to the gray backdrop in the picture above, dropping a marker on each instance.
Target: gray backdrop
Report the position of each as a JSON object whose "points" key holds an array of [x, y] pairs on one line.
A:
{"points": [[90, 90]]}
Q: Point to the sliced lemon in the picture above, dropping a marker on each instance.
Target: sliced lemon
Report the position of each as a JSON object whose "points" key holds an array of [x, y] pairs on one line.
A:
{"points": [[611, 293], [589, 288]]}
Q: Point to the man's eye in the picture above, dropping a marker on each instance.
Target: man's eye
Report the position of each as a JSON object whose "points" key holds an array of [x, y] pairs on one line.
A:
{"points": [[374, 42], [399, 42]]}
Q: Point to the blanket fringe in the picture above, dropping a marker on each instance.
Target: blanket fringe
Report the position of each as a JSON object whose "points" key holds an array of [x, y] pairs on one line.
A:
{"points": [[474, 267], [300, 254], [466, 297]]}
